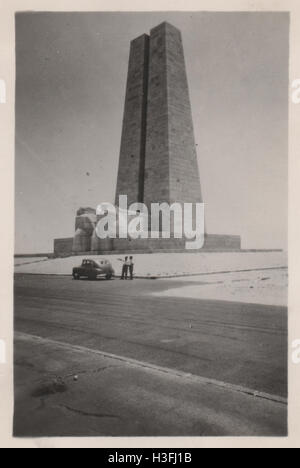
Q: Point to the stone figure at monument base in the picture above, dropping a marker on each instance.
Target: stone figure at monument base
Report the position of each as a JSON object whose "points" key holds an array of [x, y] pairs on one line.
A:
{"points": [[85, 223], [158, 158]]}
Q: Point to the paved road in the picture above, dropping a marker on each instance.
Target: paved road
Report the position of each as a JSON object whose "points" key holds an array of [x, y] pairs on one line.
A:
{"points": [[172, 366]]}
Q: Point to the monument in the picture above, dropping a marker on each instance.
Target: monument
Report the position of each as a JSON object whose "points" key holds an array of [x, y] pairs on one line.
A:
{"points": [[158, 159]]}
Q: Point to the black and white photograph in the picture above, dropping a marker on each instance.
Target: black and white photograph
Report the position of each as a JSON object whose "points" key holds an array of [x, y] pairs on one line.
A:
{"points": [[151, 224]]}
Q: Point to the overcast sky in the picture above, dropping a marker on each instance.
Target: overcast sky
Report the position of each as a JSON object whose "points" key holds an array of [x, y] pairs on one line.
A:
{"points": [[70, 90]]}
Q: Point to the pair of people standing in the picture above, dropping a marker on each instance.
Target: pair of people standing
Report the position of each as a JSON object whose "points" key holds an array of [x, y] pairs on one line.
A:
{"points": [[128, 266]]}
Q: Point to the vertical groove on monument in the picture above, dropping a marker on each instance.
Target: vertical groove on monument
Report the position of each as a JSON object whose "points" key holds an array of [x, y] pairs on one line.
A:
{"points": [[133, 141], [144, 122], [171, 167]]}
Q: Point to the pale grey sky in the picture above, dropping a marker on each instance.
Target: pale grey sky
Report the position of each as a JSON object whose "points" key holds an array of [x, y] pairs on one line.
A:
{"points": [[71, 79]]}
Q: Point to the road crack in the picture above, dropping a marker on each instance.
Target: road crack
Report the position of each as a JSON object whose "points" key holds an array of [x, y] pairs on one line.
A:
{"points": [[89, 414]]}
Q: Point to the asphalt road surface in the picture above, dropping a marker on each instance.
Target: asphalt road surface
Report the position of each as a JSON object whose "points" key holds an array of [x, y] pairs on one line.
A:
{"points": [[106, 358]]}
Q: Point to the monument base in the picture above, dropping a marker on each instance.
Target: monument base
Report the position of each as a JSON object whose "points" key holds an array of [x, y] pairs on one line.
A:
{"points": [[213, 243]]}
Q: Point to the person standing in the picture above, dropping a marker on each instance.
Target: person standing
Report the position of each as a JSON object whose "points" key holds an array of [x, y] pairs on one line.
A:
{"points": [[125, 269], [131, 267]]}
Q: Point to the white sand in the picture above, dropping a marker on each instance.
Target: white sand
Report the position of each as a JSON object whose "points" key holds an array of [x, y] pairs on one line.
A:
{"points": [[269, 287], [165, 264]]}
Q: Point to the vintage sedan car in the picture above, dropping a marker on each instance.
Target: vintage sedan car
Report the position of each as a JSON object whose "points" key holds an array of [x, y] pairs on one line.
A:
{"points": [[91, 269]]}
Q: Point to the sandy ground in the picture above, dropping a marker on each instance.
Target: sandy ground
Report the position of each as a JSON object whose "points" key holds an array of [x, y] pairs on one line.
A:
{"points": [[164, 265], [269, 287]]}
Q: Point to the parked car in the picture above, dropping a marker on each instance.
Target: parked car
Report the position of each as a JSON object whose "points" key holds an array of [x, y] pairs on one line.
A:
{"points": [[91, 269]]}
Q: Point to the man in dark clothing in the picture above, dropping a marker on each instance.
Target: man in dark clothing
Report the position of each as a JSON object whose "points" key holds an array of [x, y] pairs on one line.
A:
{"points": [[125, 269], [131, 267]]}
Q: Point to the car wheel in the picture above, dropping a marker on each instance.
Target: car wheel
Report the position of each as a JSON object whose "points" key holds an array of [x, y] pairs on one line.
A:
{"points": [[76, 276], [109, 276]]}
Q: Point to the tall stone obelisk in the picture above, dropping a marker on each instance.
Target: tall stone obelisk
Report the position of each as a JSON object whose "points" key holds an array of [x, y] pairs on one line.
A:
{"points": [[158, 160]]}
